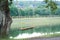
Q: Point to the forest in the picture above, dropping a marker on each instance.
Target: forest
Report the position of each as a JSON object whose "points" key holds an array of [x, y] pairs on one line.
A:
{"points": [[32, 9]]}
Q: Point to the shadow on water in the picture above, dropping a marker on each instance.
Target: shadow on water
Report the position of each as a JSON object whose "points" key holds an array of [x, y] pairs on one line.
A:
{"points": [[41, 29]]}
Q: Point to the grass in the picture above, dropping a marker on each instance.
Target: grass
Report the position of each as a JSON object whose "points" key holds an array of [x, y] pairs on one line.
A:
{"points": [[42, 25], [47, 29], [28, 22]]}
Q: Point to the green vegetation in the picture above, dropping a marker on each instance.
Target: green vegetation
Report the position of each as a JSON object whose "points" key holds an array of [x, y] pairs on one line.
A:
{"points": [[51, 5], [32, 11], [48, 8], [45, 25], [41, 24]]}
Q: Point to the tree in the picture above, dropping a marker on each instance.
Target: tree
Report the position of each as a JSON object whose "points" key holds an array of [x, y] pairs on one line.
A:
{"points": [[52, 5], [14, 11], [5, 18]]}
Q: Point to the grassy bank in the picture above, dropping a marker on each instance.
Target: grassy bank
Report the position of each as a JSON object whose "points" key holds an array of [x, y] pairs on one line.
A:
{"points": [[41, 25]]}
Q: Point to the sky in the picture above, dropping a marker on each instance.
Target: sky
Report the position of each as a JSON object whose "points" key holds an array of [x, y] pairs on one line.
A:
{"points": [[32, 0]]}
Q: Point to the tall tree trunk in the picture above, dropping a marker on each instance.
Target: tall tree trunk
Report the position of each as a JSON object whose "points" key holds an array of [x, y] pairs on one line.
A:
{"points": [[6, 21]]}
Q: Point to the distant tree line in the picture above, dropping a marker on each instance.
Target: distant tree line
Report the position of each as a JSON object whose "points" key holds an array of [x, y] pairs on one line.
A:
{"points": [[32, 11]]}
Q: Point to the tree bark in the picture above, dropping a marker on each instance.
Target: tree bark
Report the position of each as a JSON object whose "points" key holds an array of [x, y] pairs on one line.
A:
{"points": [[6, 20]]}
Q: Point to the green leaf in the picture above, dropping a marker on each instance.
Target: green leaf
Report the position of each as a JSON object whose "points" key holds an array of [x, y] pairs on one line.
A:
{"points": [[46, 1]]}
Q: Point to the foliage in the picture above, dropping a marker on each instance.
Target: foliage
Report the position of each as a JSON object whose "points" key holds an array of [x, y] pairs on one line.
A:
{"points": [[29, 11], [38, 10], [46, 1], [14, 11], [52, 5]]}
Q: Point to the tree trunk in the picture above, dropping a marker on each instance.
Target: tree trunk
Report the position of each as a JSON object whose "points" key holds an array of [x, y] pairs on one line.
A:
{"points": [[5, 20]]}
